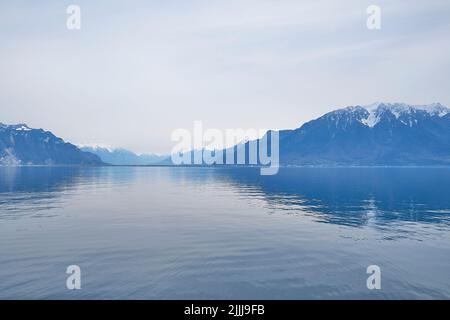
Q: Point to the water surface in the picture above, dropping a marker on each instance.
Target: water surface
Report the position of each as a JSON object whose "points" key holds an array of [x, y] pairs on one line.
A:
{"points": [[224, 233]]}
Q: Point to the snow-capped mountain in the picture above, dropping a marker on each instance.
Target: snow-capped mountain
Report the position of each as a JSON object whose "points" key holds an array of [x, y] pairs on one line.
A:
{"points": [[122, 156], [22, 145], [377, 134], [407, 114]]}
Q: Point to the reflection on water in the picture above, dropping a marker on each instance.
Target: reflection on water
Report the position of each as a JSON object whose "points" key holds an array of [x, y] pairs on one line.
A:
{"points": [[224, 232], [354, 196]]}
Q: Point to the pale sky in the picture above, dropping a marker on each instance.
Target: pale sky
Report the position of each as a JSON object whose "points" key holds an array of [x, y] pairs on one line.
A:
{"points": [[137, 70]]}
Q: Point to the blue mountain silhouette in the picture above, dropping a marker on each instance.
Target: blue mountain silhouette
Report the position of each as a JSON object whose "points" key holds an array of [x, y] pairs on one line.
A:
{"points": [[21, 145], [379, 134]]}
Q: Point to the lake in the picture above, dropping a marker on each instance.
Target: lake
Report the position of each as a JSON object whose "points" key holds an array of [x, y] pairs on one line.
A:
{"points": [[224, 233]]}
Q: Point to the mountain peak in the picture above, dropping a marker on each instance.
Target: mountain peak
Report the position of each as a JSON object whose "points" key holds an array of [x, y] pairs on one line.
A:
{"points": [[96, 147], [376, 110], [21, 127], [435, 108], [18, 127]]}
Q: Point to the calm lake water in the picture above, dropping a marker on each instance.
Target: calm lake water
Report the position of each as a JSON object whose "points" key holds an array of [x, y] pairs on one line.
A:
{"points": [[224, 233]]}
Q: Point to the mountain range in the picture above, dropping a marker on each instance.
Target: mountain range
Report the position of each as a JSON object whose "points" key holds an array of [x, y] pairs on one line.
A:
{"points": [[379, 134], [122, 156], [22, 145]]}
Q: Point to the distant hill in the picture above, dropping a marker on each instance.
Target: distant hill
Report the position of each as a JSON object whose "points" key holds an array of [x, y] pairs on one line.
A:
{"points": [[22, 145], [122, 156]]}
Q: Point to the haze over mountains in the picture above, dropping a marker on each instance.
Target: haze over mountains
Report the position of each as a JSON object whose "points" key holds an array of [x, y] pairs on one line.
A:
{"points": [[379, 134], [122, 156]]}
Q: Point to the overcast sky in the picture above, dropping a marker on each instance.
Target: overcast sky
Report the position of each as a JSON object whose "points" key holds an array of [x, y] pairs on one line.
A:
{"points": [[137, 70]]}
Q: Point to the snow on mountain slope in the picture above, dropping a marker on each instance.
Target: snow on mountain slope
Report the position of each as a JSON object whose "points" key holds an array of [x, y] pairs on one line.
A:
{"points": [[406, 113], [22, 145]]}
